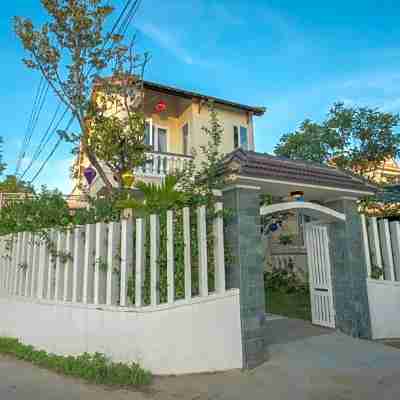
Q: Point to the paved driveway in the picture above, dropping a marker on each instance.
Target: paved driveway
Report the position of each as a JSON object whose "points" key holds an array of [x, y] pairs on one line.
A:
{"points": [[313, 363]]}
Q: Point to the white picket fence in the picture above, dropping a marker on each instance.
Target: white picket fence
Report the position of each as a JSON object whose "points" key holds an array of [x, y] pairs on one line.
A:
{"points": [[82, 266], [381, 239], [382, 246]]}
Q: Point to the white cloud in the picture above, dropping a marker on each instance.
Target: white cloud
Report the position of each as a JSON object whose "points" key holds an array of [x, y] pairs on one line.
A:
{"points": [[167, 40]]}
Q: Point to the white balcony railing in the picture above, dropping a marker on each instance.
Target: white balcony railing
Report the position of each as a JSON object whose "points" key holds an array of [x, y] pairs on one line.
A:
{"points": [[161, 164]]}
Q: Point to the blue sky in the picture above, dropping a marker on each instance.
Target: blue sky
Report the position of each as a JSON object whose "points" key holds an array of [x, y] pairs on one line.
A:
{"points": [[296, 58]]}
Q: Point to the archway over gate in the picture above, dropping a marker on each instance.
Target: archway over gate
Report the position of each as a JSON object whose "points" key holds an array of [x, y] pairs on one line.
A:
{"points": [[319, 263]]}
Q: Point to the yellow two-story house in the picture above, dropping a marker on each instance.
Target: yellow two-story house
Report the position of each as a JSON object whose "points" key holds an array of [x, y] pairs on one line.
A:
{"points": [[175, 134]]}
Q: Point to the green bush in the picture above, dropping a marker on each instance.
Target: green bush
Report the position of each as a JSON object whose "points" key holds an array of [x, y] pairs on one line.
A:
{"points": [[284, 280], [95, 368]]}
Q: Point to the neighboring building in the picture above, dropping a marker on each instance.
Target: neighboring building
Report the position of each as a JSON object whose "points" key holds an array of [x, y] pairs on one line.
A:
{"points": [[174, 132], [387, 173]]}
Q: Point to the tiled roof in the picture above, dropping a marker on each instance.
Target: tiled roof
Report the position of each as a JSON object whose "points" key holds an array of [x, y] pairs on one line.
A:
{"points": [[260, 165]]}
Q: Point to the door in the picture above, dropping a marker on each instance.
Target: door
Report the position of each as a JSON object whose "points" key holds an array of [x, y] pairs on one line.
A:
{"points": [[319, 267], [162, 140]]}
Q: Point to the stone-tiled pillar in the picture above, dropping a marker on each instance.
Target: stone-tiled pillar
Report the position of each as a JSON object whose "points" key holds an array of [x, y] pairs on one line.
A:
{"points": [[246, 270], [349, 271]]}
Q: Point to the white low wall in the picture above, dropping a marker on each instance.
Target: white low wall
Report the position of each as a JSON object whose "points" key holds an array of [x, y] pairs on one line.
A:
{"points": [[384, 304], [202, 335]]}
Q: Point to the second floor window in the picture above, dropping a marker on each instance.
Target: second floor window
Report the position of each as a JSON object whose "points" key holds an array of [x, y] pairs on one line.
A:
{"points": [[240, 137], [185, 139]]}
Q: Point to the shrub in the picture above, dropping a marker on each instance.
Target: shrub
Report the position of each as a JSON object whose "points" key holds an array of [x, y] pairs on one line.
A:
{"points": [[284, 280], [95, 368]]}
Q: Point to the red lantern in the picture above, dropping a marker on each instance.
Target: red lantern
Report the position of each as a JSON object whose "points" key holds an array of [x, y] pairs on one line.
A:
{"points": [[160, 106]]}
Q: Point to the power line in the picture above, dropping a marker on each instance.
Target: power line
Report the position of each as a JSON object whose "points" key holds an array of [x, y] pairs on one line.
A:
{"points": [[55, 147], [30, 121], [32, 126], [49, 133], [128, 19]]}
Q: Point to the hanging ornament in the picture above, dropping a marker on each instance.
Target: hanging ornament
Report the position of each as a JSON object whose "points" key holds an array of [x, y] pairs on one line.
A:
{"points": [[273, 227], [127, 179], [89, 173], [160, 107], [297, 195]]}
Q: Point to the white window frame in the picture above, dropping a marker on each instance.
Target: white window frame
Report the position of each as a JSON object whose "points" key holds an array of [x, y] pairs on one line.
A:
{"points": [[241, 145]]}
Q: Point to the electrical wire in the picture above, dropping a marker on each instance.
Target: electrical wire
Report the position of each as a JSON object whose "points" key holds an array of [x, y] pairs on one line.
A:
{"points": [[55, 147], [32, 118], [47, 136]]}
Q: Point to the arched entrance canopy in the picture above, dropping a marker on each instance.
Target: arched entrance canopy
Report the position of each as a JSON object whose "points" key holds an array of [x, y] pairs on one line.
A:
{"points": [[311, 209]]}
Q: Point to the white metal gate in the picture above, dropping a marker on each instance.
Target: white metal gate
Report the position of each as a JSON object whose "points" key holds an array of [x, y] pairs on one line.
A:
{"points": [[319, 266]]}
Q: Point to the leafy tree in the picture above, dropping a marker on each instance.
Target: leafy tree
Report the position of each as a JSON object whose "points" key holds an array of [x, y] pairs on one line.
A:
{"points": [[11, 184], [72, 51], [311, 142], [118, 140], [354, 138]]}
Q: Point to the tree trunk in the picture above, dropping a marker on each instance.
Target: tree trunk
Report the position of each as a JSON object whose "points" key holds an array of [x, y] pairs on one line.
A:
{"points": [[93, 159]]}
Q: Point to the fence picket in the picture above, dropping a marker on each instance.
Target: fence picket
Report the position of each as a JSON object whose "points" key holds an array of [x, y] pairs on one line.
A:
{"points": [[154, 253], [219, 251], [12, 264], [22, 262], [60, 266], [376, 243], [386, 247], [17, 271], [29, 263], [51, 281], [43, 269], [366, 244], [395, 233], [88, 266], [202, 245], [140, 261], [170, 257], [68, 269], [187, 253], [79, 256], [2, 264], [126, 259], [9, 263], [113, 262], [100, 268], [35, 264]]}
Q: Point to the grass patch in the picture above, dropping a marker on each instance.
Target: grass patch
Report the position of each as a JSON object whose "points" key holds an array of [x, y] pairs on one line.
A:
{"points": [[292, 305], [94, 368]]}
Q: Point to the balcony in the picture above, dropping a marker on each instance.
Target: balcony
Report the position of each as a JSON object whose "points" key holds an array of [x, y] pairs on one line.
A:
{"points": [[160, 164]]}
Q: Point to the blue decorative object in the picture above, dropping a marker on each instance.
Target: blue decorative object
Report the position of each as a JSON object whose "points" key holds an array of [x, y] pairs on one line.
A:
{"points": [[273, 227]]}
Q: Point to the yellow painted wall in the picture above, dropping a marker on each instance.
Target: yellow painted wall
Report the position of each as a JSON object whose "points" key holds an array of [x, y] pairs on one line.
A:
{"points": [[228, 119]]}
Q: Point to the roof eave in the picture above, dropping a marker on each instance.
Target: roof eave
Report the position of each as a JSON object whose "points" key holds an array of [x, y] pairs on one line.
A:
{"points": [[258, 111]]}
